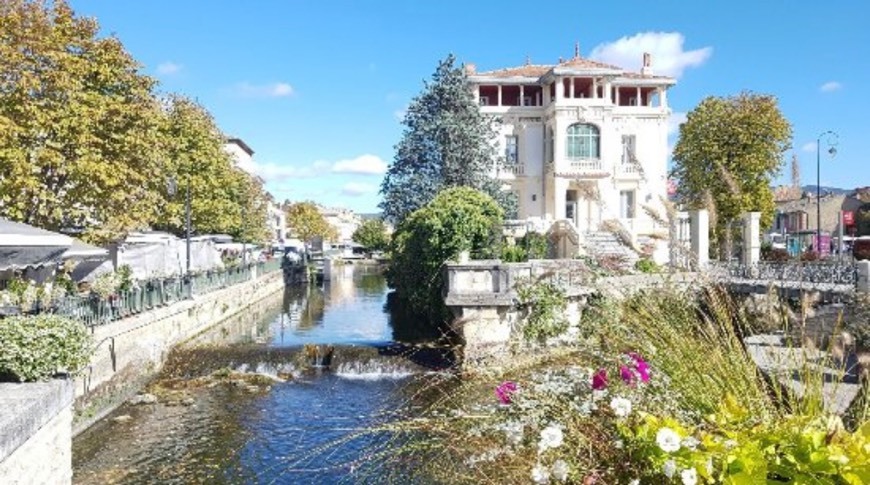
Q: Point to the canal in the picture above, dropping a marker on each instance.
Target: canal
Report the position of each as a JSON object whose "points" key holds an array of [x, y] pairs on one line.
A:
{"points": [[243, 404]]}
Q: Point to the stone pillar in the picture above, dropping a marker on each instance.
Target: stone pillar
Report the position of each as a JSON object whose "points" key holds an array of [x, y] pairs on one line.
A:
{"points": [[499, 95], [559, 86], [594, 88], [522, 96], [617, 94], [476, 92], [699, 221], [751, 238], [571, 88], [863, 269], [639, 101], [559, 194], [663, 97]]}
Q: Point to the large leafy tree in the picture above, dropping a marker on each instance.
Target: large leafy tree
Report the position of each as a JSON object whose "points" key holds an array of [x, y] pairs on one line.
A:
{"points": [[307, 222], [79, 125], [446, 143], [372, 234], [224, 198], [728, 152], [457, 219]]}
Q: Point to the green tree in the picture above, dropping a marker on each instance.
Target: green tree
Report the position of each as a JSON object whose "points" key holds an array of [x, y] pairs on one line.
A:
{"points": [[79, 125], [446, 143], [224, 198], [729, 150], [372, 234], [458, 219], [306, 222]]}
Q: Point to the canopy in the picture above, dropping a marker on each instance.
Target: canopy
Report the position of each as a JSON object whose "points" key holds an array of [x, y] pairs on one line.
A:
{"points": [[83, 251], [24, 246]]}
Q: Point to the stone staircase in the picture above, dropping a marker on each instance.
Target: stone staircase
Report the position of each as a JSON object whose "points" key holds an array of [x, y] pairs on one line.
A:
{"points": [[603, 244]]}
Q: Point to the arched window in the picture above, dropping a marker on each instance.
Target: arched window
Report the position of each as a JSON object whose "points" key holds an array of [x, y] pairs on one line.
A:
{"points": [[583, 142]]}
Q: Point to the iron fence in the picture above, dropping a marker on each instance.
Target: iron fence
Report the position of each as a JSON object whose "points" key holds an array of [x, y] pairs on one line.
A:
{"points": [[155, 293], [810, 272]]}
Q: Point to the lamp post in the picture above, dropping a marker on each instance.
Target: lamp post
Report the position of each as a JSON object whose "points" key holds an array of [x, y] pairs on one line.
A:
{"points": [[831, 139], [172, 186]]}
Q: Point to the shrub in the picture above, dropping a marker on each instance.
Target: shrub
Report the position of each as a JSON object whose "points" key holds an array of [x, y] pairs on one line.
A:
{"points": [[809, 255], [537, 245], [646, 265], [458, 219], [546, 307], [861, 250], [38, 347], [514, 254], [776, 255]]}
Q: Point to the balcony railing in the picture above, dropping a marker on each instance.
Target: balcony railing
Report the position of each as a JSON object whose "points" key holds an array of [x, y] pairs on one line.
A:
{"points": [[586, 165], [514, 168], [629, 168]]}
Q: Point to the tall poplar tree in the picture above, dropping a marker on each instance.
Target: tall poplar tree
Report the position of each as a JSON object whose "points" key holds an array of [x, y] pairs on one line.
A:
{"points": [[446, 143]]}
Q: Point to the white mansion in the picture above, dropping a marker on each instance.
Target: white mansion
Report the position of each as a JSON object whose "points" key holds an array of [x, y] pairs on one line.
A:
{"points": [[584, 142]]}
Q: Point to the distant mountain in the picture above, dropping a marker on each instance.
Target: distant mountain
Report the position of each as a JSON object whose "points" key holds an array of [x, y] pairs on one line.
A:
{"points": [[826, 190]]}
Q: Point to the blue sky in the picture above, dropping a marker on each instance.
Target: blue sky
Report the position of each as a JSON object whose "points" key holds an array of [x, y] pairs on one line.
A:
{"points": [[317, 88]]}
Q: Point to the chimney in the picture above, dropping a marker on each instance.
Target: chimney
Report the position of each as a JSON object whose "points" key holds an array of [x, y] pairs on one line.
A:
{"points": [[576, 50], [470, 69], [646, 70], [528, 60]]}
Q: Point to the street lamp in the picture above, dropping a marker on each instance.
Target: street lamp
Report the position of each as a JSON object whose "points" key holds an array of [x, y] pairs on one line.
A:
{"points": [[831, 140], [172, 189]]}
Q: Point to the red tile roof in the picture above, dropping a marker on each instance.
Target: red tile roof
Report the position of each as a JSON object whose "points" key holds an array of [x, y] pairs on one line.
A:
{"points": [[532, 70]]}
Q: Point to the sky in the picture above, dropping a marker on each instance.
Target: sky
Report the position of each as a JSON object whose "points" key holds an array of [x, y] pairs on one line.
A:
{"points": [[317, 89]]}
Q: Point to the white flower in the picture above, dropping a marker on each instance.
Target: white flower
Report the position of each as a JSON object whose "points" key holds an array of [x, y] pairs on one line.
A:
{"points": [[691, 442], [689, 476], [560, 470], [669, 468], [551, 437], [668, 440], [621, 406], [634, 482], [514, 432], [598, 394], [618, 444], [730, 444], [540, 474]]}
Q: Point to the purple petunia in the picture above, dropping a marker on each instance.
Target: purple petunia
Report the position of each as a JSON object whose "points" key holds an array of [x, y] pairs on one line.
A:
{"points": [[599, 380], [504, 391]]}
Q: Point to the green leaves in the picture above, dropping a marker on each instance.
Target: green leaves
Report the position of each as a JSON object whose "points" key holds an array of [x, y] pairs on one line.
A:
{"points": [[307, 223], [37, 347], [458, 219], [732, 148], [372, 234], [446, 143]]}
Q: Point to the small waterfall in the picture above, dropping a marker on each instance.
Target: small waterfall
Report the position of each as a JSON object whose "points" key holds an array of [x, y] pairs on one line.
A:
{"points": [[373, 370]]}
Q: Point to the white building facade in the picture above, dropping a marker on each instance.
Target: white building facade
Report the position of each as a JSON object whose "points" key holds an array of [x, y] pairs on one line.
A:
{"points": [[243, 155], [583, 142]]}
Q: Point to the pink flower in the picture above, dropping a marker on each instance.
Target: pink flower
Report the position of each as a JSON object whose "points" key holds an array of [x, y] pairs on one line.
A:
{"points": [[641, 366], [599, 380], [504, 391], [627, 375]]}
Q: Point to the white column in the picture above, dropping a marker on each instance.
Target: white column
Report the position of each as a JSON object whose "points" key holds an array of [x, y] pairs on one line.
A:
{"points": [[476, 93], [571, 88], [663, 97], [499, 95], [699, 221], [545, 91], [522, 96], [594, 87], [617, 94], [607, 91], [638, 97], [560, 89], [751, 238]]}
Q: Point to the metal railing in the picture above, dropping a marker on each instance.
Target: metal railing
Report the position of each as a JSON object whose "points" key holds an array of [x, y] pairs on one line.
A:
{"points": [[148, 295], [809, 272]]}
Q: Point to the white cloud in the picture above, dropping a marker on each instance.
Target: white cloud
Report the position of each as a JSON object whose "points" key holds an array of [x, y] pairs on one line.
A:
{"points": [[271, 172], [809, 147], [363, 165], [273, 90], [676, 119], [355, 189], [666, 48], [168, 68], [830, 86]]}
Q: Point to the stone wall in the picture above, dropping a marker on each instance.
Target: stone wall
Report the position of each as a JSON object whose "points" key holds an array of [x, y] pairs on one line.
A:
{"points": [[130, 351], [35, 433]]}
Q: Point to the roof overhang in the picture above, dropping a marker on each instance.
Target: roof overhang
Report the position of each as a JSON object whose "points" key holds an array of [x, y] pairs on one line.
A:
{"points": [[646, 81], [503, 80]]}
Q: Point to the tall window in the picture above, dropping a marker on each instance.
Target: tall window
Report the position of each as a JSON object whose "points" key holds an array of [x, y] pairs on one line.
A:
{"points": [[511, 153], [628, 149], [583, 142]]}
